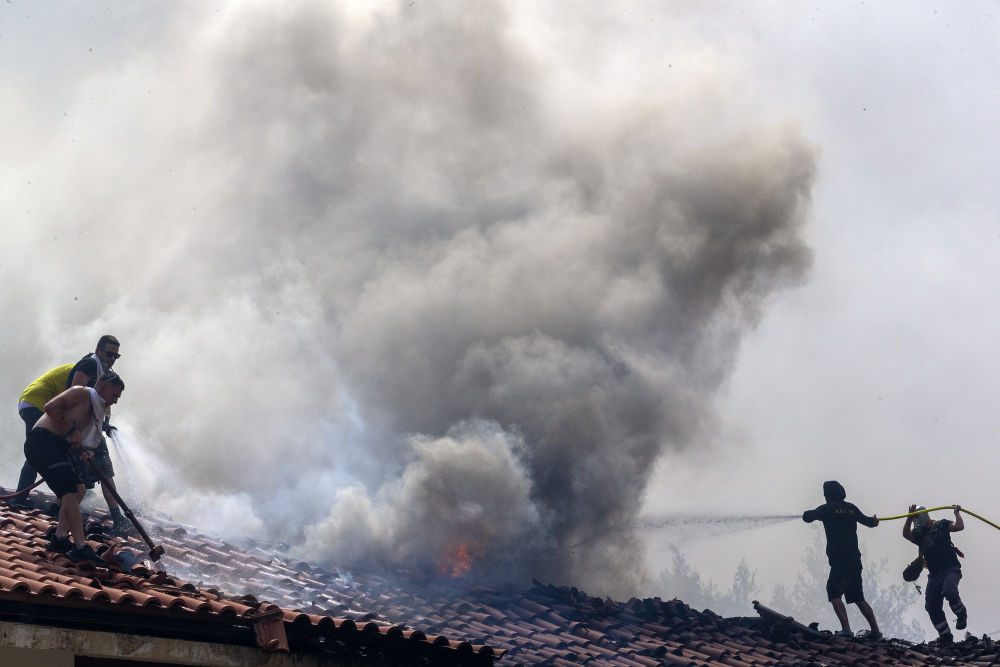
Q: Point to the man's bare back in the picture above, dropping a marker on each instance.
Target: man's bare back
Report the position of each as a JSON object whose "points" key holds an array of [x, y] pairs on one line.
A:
{"points": [[70, 413]]}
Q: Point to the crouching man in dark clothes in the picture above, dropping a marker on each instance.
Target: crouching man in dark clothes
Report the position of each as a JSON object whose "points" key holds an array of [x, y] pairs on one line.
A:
{"points": [[72, 421], [943, 569], [840, 522]]}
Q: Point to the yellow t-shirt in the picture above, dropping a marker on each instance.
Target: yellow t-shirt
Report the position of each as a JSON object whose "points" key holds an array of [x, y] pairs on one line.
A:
{"points": [[47, 387]]}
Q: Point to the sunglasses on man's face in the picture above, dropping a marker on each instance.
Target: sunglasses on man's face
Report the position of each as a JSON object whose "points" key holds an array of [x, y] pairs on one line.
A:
{"points": [[113, 355]]}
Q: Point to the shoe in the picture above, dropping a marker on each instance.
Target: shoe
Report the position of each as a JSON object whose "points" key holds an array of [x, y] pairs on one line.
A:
{"points": [[59, 545], [121, 527], [843, 633], [873, 635], [85, 554], [961, 621], [946, 638]]}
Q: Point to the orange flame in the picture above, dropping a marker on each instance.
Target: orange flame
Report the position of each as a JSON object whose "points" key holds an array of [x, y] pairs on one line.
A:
{"points": [[457, 560]]}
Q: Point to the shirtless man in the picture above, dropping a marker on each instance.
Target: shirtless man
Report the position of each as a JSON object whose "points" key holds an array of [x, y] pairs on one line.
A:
{"points": [[72, 420], [86, 372], [34, 397]]}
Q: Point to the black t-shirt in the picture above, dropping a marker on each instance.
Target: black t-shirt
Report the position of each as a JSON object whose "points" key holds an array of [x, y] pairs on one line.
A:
{"points": [[94, 370], [939, 552], [88, 365], [840, 522]]}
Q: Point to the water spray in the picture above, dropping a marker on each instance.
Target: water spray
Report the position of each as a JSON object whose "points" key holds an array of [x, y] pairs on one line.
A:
{"points": [[155, 550], [733, 522], [120, 453], [721, 523]]}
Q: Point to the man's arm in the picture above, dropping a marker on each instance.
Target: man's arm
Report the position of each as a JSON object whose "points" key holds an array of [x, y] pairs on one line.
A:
{"points": [[861, 517], [83, 372], [909, 523], [959, 523], [80, 378], [812, 515], [870, 521]]}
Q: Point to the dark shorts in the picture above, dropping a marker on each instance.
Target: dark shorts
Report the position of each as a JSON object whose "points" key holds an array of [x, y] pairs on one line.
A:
{"points": [[48, 453], [102, 459], [845, 580]]}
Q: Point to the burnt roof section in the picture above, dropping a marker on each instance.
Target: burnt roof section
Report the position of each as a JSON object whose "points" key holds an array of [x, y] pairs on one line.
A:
{"points": [[544, 624]]}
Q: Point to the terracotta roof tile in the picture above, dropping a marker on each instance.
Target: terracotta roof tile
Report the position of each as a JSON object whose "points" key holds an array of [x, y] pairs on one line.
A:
{"points": [[13, 585], [206, 578], [28, 573]]}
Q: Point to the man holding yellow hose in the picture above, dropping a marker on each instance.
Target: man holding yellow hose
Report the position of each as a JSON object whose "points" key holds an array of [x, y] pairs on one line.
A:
{"points": [[840, 522], [944, 571]]}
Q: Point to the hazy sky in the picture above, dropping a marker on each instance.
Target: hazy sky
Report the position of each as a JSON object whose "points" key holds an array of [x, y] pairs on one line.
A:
{"points": [[393, 277], [881, 370]]}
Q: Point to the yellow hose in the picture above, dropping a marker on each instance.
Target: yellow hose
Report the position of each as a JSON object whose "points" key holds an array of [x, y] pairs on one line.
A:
{"points": [[943, 507]]}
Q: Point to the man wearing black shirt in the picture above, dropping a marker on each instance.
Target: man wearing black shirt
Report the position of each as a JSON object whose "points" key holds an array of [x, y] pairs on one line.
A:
{"points": [[92, 366], [943, 569], [840, 522]]}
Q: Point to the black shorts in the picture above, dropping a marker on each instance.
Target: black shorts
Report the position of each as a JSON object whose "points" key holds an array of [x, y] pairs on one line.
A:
{"points": [[48, 453], [845, 579], [102, 459]]}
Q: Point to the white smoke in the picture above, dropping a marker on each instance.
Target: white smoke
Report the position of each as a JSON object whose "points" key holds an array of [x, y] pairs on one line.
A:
{"points": [[406, 278]]}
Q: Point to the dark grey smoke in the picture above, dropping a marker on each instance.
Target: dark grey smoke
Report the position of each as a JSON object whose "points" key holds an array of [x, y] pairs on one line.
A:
{"points": [[399, 284]]}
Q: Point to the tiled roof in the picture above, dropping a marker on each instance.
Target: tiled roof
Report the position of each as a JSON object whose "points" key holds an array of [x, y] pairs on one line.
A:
{"points": [[208, 578], [129, 596]]}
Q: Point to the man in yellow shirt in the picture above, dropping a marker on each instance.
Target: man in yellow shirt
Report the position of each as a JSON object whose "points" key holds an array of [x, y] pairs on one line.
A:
{"points": [[30, 407], [71, 421]]}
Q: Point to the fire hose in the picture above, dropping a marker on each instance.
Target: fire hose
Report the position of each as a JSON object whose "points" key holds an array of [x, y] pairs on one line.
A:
{"points": [[23, 491], [155, 551], [912, 571], [943, 507]]}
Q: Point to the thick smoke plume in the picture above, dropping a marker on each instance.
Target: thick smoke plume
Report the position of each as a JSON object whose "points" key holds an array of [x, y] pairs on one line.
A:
{"points": [[403, 281]]}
